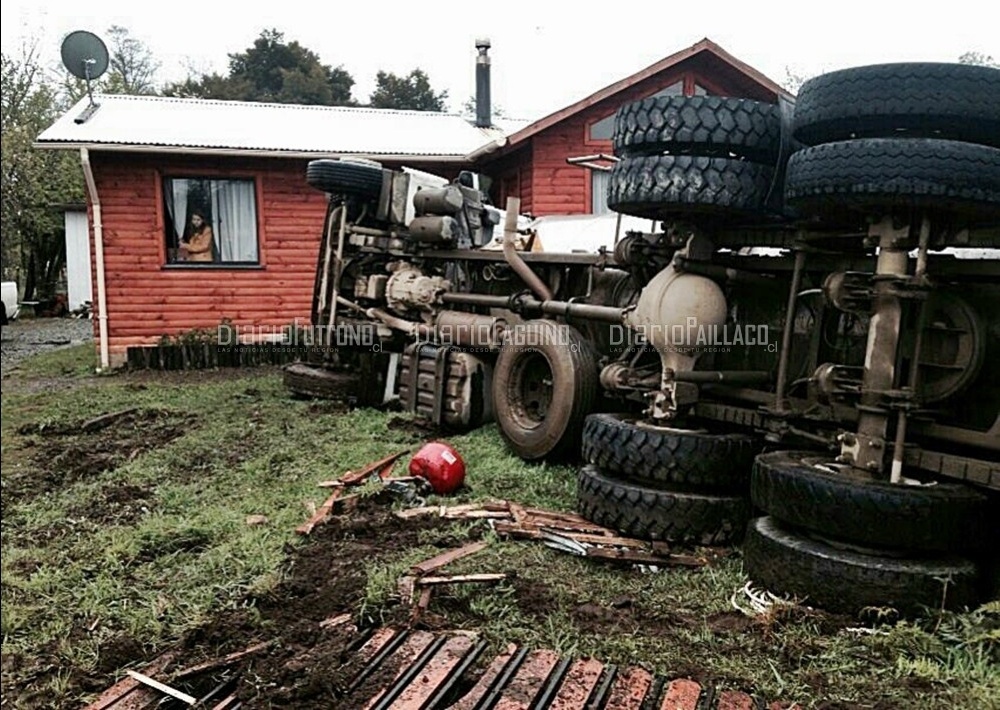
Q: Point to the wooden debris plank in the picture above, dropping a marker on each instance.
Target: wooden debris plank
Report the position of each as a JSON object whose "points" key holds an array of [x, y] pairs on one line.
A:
{"points": [[629, 690], [129, 690], [465, 510], [333, 622], [537, 532], [472, 699], [320, 515], [530, 677], [566, 521], [380, 467], [106, 420], [734, 700], [221, 662], [646, 557], [404, 588], [376, 643], [434, 674], [404, 656], [163, 687], [423, 602], [681, 694], [517, 512], [226, 703], [462, 579], [446, 558], [579, 683]]}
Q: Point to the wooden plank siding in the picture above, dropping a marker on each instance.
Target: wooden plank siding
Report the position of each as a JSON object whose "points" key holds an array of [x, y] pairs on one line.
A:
{"points": [[146, 299]]}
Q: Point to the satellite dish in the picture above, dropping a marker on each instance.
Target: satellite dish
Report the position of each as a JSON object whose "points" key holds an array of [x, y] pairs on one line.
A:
{"points": [[84, 55]]}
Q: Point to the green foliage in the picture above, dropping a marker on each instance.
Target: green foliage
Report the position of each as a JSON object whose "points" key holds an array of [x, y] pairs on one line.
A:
{"points": [[979, 58], [131, 68], [34, 182], [272, 70], [412, 92]]}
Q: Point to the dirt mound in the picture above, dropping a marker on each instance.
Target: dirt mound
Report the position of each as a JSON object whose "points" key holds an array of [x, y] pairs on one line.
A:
{"points": [[65, 452], [305, 665]]}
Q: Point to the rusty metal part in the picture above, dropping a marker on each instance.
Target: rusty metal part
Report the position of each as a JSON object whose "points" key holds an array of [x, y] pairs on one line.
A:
{"points": [[838, 383], [411, 328], [469, 329], [952, 348], [410, 289], [866, 450], [446, 386], [520, 267], [780, 405], [530, 306], [896, 471], [849, 291], [722, 376]]}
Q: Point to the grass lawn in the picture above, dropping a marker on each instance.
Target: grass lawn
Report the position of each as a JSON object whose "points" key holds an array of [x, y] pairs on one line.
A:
{"points": [[131, 533]]}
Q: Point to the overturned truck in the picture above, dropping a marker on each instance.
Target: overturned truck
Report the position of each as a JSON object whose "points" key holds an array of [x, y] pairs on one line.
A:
{"points": [[809, 328]]}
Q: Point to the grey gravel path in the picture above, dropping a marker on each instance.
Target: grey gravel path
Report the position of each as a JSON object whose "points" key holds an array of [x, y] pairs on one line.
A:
{"points": [[27, 337]]}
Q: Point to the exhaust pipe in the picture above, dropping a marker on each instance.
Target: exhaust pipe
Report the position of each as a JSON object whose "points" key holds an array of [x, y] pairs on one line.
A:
{"points": [[484, 118]]}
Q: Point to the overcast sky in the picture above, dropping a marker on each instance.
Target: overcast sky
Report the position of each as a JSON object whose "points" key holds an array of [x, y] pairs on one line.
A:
{"points": [[545, 55]]}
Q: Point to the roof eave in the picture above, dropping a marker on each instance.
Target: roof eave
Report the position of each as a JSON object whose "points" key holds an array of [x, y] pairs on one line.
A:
{"points": [[241, 152]]}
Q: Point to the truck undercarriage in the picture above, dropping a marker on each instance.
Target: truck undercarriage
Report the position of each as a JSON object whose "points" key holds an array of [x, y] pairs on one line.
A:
{"points": [[848, 322]]}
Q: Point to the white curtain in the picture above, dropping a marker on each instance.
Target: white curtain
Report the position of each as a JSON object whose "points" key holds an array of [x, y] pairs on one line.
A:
{"points": [[235, 220], [178, 206]]}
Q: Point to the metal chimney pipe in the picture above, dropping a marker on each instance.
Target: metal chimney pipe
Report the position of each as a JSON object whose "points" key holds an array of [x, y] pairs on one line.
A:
{"points": [[484, 117]]}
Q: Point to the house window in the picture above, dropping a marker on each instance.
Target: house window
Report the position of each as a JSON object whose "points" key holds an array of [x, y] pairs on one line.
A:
{"points": [[602, 129], [210, 221], [599, 180]]}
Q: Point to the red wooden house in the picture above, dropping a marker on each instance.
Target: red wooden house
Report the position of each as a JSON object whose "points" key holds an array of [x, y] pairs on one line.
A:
{"points": [[152, 163]]}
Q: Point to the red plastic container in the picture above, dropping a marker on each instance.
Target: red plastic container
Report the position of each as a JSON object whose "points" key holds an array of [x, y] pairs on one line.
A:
{"points": [[441, 465]]}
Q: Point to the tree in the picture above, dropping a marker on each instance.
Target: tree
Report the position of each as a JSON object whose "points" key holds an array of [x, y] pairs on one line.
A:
{"points": [[979, 58], [131, 68], [34, 182], [469, 110], [412, 92], [272, 70]]}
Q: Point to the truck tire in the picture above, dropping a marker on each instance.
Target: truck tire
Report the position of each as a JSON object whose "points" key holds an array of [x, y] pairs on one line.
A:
{"points": [[951, 101], [660, 513], [620, 445], [343, 177], [952, 176], [543, 386], [933, 518], [846, 581], [308, 381], [699, 125], [662, 185]]}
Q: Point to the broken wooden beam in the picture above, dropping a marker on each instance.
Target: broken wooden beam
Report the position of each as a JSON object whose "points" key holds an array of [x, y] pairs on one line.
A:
{"points": [[489, 509], [129, 688], [648, 558], [380, 468], [163, 688], [320, 515], [461, 579], [445, 558], [221, 662]]}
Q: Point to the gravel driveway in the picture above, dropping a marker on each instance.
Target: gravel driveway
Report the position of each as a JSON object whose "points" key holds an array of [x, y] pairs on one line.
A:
{"points": [[27, 337]]}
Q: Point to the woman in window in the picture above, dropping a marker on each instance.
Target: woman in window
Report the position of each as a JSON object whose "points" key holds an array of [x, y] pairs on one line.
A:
{"points": [[198, 246]]}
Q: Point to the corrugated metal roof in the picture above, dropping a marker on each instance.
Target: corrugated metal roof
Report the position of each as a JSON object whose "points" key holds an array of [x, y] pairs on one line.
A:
{"points": [[160, 123]]}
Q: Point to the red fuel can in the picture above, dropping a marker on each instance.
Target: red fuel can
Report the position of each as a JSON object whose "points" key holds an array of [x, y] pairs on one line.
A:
{"points": [[441, 465]]}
